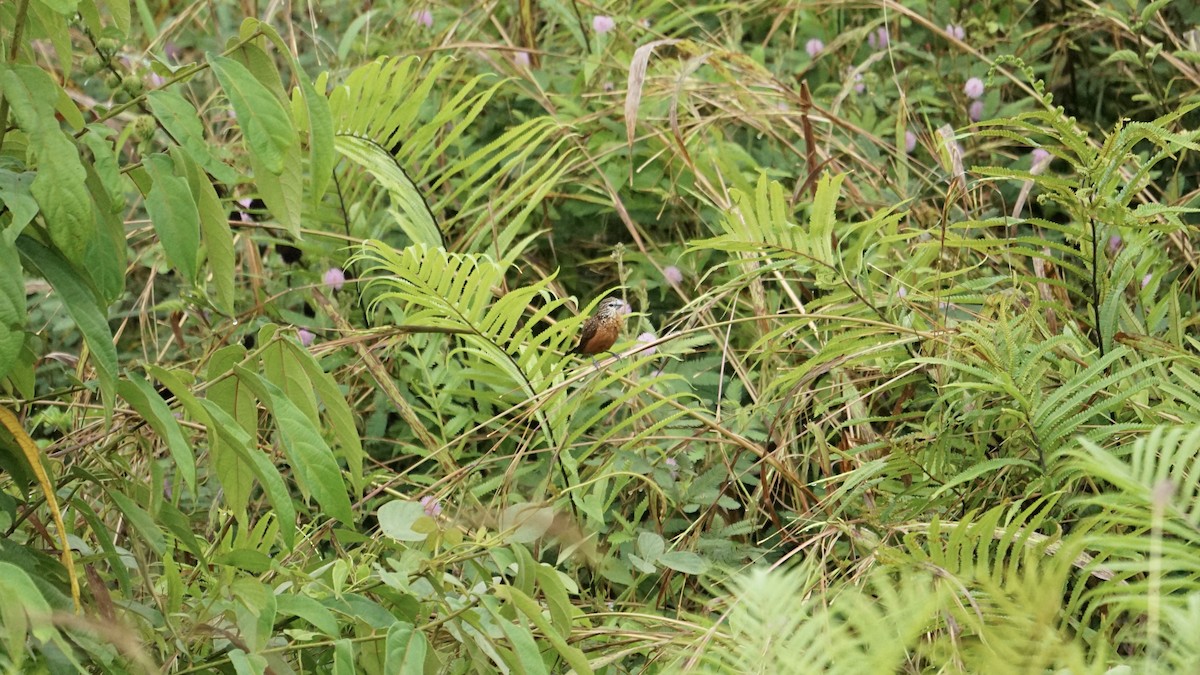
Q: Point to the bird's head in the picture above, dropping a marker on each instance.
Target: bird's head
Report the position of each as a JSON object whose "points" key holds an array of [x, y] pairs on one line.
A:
{"points": [[612, 307]]}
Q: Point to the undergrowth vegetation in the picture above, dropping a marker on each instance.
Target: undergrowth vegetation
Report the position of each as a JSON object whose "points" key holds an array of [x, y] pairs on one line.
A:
{"points": [[910, 380]]}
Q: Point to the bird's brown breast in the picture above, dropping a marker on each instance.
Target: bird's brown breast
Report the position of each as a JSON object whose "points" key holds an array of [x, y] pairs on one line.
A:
{"points": [[599, 333]]}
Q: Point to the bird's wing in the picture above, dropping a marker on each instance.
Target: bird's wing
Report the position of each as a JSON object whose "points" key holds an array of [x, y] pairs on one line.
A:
{"points": [[585, 335]]}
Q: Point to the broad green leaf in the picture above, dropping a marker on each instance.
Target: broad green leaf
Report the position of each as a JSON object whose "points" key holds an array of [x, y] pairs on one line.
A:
{"points": [[256, 616], [120, 13], [533, 612], [51, 23], [683, 561], [271, 138], [234, 474], [291, 604], [214, 229], [238, 441], [227, 393], [405, 649], [81, 305], [12, 306], [557, 599], [17, 198], [59, 187], [343, 658], [256, 60], [650, 546], [179, 525], [280, 367], [311, 459], [525, 523], [316, 119], [263, 119], [106, 250], [398, 517], [284, 193], [62, 7], [321, 157], [524, 647], [175, 216], [89, 14], [186, 126], [106, 166], [141, 520], [338, 415], [20, 599], [157, 414], [247, 664]]}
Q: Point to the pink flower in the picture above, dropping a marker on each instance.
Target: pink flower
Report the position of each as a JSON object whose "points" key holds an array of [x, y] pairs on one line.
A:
{"points": [[602, 24], [647, 338], [672, 466], [433, 508], [334, 279], [910, 142], [626, 308], [859, 87], [975, 111], [814, 47], [521, 59], [423, 17], [956, 31], [306, 336], [672, 274], [879, 38], [902, 292], [1114, 243], [973, 88], [1146, 280], [1041, 159]]}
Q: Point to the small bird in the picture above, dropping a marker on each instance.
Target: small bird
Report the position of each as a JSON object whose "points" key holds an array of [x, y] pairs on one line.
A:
{"points": [[602, 328]]}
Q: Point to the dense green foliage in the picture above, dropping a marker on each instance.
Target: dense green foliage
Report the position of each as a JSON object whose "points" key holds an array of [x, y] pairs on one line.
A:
{"points": [[911, 381]]}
